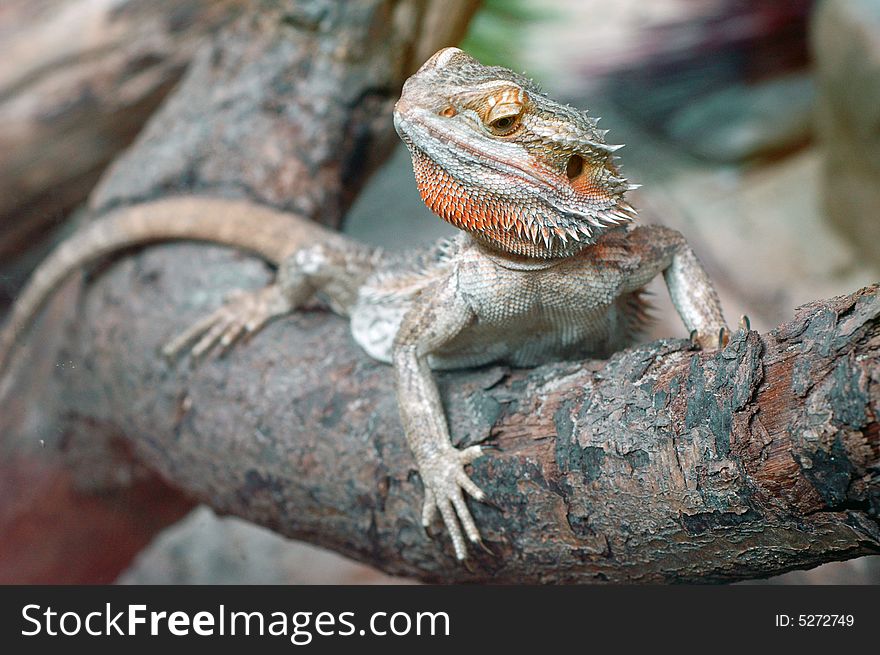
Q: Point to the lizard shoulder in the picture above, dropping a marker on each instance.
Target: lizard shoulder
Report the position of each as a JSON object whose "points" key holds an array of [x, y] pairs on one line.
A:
{"points": [[634, 245]]}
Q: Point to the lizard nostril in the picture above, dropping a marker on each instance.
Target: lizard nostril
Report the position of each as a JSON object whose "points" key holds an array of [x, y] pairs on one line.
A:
{"points": [[574, 167]]}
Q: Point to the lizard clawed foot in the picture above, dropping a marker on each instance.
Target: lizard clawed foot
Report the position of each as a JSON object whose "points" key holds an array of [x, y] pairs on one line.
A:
{"points": [[244, 313], [444, 479]]}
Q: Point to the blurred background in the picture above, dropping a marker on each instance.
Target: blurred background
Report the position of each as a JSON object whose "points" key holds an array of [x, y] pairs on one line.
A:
{"points": [[753, 126]]}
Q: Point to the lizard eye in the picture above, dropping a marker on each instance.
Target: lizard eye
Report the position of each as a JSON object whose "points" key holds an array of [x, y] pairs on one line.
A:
{"points": [[448, 112], [504, 125]]}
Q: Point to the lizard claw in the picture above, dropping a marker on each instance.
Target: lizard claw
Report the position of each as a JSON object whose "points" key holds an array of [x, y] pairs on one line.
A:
{"points": [[243, 314], [745, 325], [708, 340], [444, 479]]}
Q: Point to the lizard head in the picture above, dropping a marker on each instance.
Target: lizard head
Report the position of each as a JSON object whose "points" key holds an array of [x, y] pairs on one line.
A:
{"points": [[499, 159]]}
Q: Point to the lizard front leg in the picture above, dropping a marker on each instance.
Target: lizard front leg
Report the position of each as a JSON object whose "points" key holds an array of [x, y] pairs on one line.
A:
{"points": [[437, 315], [660, 249], [334, 270], [695, 299]]}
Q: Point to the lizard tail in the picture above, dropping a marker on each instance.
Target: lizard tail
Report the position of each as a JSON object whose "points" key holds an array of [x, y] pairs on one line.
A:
{"points": [[269, 233]]}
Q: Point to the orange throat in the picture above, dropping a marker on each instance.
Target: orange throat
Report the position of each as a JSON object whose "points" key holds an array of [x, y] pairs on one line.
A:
{"points": [[489, 218]]}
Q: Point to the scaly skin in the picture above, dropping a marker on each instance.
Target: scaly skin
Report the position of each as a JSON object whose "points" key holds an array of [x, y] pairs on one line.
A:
{"points": [[546, 267]]}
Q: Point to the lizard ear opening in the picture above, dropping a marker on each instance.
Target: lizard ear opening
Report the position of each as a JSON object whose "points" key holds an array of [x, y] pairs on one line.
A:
{"points": [[574, 167], [583, 179]]}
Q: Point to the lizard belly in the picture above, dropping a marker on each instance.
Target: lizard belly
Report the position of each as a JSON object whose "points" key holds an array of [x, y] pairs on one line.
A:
{"points": [[543, 335], [520, 340], [522, 318]]}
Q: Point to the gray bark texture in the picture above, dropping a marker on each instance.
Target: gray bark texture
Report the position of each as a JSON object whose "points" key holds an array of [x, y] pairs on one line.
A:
{"points": [[662, 464]]}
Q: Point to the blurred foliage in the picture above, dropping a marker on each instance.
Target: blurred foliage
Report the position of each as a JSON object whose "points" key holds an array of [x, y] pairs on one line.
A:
{"points": [[496, 31]]}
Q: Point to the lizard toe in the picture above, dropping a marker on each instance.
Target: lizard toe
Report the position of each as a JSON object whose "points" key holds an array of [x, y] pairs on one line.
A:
{"points": [[243, 314], [471, 453], [446, 484], [429, 509]]}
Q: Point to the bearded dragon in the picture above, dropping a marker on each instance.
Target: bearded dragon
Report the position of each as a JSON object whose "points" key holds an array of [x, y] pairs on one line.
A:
{"points": [[548, 264]]}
